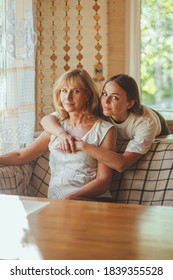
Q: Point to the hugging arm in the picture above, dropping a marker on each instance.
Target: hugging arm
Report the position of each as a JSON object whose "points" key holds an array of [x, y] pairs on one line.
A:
{"points": [[114, 160], [101, 183], [51, 125], [27, 154]]}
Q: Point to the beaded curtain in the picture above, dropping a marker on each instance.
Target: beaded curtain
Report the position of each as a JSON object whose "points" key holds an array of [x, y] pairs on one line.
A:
{"points": [[70, 34]]}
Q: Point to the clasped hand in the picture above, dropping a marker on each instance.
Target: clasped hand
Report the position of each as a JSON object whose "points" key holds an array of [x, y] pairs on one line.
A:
{"points": [[68, 143]]}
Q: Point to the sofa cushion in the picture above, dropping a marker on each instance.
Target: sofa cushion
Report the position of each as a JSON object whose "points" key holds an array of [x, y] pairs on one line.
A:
{"points": [[15, 179], [150, 180]]}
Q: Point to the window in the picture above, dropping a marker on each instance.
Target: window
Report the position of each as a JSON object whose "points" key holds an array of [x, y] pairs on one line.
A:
{"points": [[149, 28], [157, 54], [17, 74]]}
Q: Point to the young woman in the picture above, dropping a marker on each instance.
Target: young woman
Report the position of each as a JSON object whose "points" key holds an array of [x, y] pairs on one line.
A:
{"points": [[120, 101], [75, 175]]}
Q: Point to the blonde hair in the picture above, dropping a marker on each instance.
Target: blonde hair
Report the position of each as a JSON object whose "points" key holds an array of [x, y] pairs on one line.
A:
{"points": [[80, 78]]}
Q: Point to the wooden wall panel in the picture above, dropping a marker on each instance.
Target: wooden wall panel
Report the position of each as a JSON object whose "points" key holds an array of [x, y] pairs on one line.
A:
{"points": [[55, 19], [116, 37]]}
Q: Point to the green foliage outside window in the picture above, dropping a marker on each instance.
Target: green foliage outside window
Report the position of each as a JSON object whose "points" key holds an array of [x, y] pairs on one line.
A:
{"points": [[157, 53]]}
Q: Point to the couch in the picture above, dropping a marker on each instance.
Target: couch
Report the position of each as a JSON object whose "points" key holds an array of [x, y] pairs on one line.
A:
{"points": [[149, 181]]}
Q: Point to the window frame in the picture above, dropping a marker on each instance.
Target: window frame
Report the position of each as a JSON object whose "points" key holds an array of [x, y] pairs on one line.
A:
{"points": [[132, 39]]}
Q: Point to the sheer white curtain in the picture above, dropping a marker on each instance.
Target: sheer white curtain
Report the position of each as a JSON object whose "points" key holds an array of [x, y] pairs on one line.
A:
{"points": [[17, 74]]}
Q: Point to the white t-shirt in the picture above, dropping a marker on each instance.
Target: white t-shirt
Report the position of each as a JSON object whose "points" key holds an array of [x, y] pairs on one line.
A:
{"points": [[140, 130], [71, 171]]}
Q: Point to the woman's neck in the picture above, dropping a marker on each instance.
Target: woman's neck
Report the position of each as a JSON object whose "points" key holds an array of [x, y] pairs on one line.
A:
{"points": [[75, 120], [120, 118]]}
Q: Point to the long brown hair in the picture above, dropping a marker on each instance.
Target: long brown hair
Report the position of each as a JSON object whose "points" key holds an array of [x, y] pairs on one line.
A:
{"points": [[129, 85]]}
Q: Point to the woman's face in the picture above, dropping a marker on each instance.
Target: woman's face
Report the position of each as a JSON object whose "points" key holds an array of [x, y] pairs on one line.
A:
{"points": [[114, 102], [73, 98]]}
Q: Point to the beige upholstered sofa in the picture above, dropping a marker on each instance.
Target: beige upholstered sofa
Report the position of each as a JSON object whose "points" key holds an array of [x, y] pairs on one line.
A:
{"points": [[149, 181]]}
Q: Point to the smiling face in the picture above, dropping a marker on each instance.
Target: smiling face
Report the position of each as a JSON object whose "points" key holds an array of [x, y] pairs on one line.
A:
{"points": [[114, 102]]}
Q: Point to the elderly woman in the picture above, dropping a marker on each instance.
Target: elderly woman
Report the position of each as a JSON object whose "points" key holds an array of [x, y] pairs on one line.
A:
{"points": [[74, 175]]}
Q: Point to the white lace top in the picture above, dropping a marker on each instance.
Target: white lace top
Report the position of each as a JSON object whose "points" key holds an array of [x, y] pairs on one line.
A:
{"points": [[69, 172]]}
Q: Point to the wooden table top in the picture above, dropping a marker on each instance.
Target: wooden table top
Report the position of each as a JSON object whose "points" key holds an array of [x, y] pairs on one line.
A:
{"points": [[68, 230]]}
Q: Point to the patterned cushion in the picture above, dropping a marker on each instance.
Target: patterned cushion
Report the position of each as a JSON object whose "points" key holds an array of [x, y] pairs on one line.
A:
{"points": [[15, 179], [40, 178], [150, 180]]}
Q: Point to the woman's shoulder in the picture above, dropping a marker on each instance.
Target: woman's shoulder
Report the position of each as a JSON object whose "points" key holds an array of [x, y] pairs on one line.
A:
{"points": [[98, 132], [148, 115], [102, 127], [148, 112], [105, 124]]}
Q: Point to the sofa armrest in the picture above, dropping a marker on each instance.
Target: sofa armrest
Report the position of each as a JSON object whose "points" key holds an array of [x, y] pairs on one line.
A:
{"points": [[15, 179], [40, 177]]}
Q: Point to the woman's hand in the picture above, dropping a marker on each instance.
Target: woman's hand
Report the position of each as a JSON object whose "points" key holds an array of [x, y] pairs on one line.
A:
{"points": [[69, 144], [79, 145], [66, 143]]}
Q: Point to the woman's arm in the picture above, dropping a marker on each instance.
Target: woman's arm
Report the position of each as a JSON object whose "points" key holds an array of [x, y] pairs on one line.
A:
{"points": [[51, 125], [27, 154], [114, 160], [101, 183]]}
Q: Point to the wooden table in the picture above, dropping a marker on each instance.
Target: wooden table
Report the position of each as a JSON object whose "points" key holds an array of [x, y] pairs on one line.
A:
{"points": [[97, 231]]}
